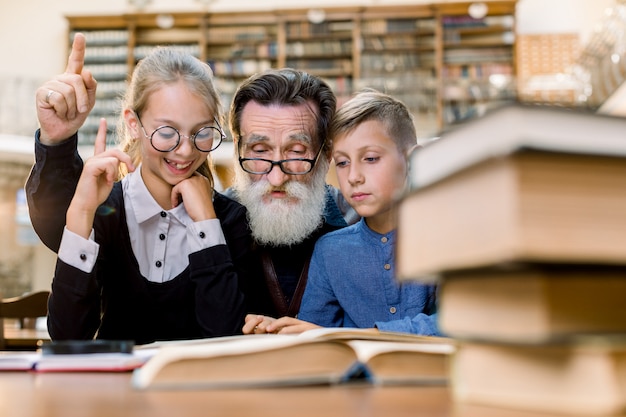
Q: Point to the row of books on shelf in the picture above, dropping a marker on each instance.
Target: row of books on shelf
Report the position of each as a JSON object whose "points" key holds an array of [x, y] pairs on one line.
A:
{"points": [[474, 55], [304, 29], [340, 85], [406, 81], [321, 48], [339, 65], [259, 50], [109, 71], [109, 88], [233, 34], [477, 71], [106, 106], [106, 54], [400, 25], [104, 37], [466, 21], [114, 55], [394, 62], [380, 43], [454, 38], [239, 67], [469, 89], [388, 26], [519, 217], [141, 51]]}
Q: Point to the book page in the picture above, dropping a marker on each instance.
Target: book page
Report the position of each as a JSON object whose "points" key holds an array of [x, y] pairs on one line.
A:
{"points": [[18, 360], [366, 349], [353, 333], [110, 362]]}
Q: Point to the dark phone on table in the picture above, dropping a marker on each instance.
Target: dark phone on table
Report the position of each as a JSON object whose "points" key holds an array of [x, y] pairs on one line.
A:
{"points": [[72, 347]]}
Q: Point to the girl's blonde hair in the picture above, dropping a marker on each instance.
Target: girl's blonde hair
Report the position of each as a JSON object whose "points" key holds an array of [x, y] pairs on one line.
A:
{"points": [[162, 67]]}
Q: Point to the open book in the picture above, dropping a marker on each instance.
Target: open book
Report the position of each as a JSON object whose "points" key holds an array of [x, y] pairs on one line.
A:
{"points": [[88, 362], [320, 356]]}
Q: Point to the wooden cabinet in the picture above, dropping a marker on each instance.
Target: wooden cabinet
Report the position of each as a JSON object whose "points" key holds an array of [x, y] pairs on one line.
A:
{"points": [[445, 65]]}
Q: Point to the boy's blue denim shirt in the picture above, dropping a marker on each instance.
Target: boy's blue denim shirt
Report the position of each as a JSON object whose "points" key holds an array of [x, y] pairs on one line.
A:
{"points": [[352, 284]]}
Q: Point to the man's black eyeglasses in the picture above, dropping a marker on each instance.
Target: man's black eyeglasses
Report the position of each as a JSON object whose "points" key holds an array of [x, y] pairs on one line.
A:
{"points": [[167, 138], [294, 166]]}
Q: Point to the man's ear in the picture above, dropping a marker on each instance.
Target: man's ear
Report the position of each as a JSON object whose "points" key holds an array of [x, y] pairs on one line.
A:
{"points": [[328, 152]]}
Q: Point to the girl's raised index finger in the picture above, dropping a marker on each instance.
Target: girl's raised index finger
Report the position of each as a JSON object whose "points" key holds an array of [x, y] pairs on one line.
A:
{"points": [[76, 61], [100, 145]]}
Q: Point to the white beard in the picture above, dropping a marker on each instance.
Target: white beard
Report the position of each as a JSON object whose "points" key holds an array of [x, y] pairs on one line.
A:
{"points": [[284, 221]]}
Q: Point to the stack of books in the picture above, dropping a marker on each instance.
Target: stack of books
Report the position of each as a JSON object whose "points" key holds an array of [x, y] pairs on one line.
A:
{"points": [[520, 218]]}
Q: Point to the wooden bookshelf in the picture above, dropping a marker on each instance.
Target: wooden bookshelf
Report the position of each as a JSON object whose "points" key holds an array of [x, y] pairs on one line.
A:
{"points": [[399, 56], [477, 66], [444, 65]]}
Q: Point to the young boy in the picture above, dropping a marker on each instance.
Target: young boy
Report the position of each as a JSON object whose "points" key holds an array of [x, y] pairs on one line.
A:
{"points": [[351, 277]]}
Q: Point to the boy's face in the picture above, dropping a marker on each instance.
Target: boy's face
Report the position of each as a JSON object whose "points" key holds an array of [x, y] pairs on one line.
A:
{"points": [[371, 172]]}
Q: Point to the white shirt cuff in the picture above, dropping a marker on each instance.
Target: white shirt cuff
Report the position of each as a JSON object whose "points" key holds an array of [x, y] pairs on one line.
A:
{"points": [[77, 251], [205, 234]]}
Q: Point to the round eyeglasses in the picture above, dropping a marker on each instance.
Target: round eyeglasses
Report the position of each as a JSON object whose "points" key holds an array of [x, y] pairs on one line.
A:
{"points": [[167, 138], [293, 166]]}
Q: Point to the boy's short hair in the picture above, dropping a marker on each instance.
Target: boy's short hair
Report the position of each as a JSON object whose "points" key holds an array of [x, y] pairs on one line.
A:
{"points": [[370, 104]]}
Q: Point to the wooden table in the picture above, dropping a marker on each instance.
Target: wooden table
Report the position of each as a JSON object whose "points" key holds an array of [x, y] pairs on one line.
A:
{"points": [[29, 394], [23, 339]]}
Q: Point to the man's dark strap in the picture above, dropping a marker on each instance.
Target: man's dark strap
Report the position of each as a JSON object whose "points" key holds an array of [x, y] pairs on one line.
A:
{"points": [[276, 292]]}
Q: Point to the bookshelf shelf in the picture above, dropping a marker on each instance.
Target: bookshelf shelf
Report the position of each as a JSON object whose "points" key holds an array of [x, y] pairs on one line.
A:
{"points": [[416, 52]]}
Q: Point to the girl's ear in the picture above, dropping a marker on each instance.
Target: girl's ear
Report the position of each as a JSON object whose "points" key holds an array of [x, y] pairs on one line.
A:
{"points": [[132, 123]]}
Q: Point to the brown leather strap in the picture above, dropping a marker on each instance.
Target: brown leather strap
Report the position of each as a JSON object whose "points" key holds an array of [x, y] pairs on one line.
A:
{"points": [[275, 290], [294, 306]]}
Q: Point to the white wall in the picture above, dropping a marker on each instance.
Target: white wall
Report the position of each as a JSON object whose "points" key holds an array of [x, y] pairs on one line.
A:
{"points": [[561, 16]]}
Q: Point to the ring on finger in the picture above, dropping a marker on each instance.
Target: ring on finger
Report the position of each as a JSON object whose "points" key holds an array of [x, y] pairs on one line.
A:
{"points": [[50, 92]]}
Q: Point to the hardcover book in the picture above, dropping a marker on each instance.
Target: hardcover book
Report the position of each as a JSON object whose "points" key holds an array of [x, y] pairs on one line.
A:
{"points": [[586, 376], [521, 184], [328, 356], [532, 303]]}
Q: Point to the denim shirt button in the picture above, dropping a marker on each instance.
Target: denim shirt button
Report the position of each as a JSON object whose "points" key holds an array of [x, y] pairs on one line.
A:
{"points": [[392, 310], [384, 239], [387, 267]]}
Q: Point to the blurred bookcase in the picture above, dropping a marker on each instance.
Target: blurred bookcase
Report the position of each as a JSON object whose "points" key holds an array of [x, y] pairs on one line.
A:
{"points": [[446, 65]]}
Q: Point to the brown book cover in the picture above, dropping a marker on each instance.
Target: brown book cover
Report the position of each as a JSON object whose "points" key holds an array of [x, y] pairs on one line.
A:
{"points": [[523, 183], [586, 376], [532, 303]]}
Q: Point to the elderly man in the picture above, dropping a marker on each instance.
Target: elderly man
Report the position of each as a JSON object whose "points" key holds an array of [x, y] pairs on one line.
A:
{"points": [[279, 121]]}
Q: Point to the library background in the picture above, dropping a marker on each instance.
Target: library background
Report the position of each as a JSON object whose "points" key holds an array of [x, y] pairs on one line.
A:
{"points": [[449, 61]]}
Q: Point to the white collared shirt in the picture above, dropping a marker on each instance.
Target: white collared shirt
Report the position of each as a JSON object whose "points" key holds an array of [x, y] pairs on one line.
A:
{"points": [[156, 235]]}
